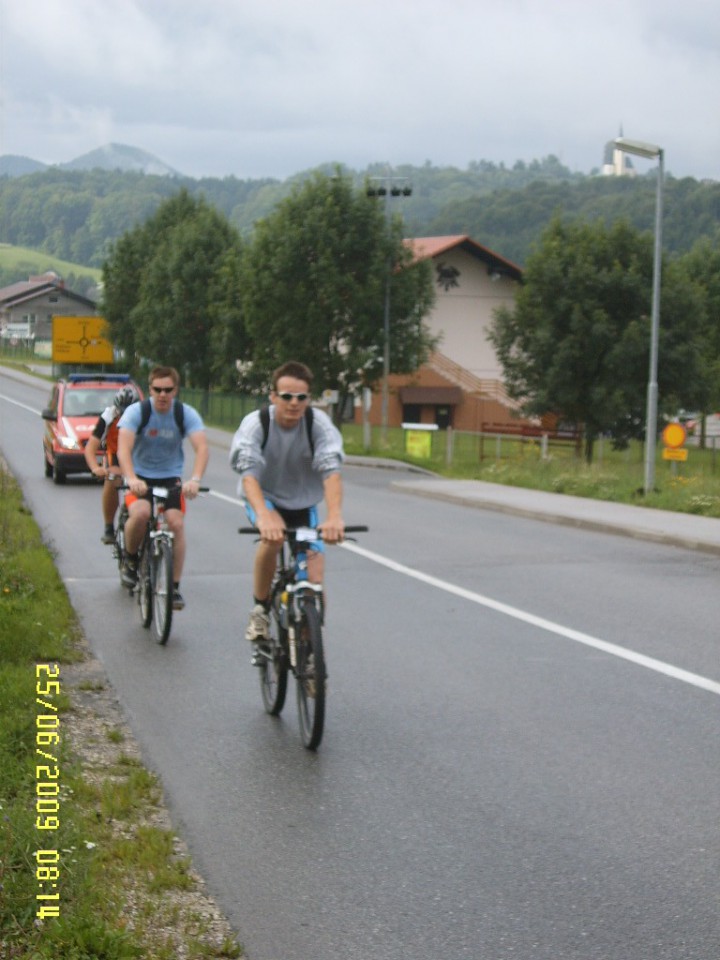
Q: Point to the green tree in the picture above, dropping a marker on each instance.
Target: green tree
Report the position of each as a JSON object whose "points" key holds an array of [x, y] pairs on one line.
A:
{"points": [[161, 283], [702, 264], [576, 342], [314, 284]]}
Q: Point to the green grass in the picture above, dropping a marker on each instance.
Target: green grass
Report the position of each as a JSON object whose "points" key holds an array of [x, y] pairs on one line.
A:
{"points": [[27, 262], [107, 848], [616, 475]]}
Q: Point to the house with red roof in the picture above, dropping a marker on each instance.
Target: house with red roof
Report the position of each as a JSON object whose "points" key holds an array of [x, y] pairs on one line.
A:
{"points": [[461, 385]]}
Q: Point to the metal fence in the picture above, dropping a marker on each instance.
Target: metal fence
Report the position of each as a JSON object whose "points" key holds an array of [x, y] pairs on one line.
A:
{"points": [[220, 409]]}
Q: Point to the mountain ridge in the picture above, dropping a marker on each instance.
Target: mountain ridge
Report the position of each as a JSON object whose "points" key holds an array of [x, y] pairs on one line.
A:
{"points": [[111, 157]]}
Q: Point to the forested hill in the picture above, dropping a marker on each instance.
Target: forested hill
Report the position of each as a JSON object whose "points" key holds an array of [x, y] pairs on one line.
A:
{"points": [[76, 215]]}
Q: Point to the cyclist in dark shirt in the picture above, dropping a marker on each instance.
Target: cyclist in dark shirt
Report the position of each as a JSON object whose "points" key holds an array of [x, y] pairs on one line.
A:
{"points": [[103, 443]]}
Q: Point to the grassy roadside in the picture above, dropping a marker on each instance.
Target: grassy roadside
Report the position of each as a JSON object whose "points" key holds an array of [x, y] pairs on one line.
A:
{"points": [[90, 868], [616, 475]]}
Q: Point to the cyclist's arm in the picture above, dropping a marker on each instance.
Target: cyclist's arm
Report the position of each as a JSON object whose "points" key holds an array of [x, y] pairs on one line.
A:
{"points": [[199, 443], [269, 522], [92, 449], [126, 442], [333, 527]]}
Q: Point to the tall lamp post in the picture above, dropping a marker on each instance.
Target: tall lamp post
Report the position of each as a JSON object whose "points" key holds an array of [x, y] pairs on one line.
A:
{"points": [[387, 187], [651, 152]]}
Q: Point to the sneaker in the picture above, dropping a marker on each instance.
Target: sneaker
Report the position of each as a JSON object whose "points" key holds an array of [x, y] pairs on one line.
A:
{"points": [[178, 602], [129, 575], [108, 534], [258, 628]]}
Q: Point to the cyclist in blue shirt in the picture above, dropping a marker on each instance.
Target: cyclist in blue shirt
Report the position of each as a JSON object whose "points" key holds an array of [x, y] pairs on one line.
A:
{"points": [[151, 454]]}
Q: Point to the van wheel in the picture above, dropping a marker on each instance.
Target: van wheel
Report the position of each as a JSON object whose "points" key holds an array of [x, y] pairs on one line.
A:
{"points": [[48, 466], [57, 475]]}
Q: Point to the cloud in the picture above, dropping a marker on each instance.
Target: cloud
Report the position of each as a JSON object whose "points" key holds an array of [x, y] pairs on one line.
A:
{"points": [[231, 87]]}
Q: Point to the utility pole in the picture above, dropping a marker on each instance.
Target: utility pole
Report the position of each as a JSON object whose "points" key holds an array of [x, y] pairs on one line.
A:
{"points": [[388, 187]]}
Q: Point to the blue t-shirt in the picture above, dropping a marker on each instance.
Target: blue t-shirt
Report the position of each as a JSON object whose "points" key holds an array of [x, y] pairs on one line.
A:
{"points": [[158, 451]]}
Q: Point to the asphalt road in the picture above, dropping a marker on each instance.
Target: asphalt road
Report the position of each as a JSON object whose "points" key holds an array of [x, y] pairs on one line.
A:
{"points": [[489, 786]]}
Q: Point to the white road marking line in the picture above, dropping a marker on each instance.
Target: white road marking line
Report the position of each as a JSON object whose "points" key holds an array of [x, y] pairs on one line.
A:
{"points": [[576, 635], [18, 404]]}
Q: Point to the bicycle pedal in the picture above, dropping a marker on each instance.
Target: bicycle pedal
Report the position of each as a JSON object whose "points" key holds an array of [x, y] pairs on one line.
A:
{"points": [[259, 657]]}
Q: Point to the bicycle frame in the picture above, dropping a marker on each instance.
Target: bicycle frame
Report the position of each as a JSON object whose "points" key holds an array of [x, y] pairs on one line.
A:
{"points": [[155, 585], [295, 642], [295, 590], [155, 569]]}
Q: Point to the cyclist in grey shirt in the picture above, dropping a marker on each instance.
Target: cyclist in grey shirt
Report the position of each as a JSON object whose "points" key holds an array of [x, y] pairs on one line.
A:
{"points": [[284, 473]]}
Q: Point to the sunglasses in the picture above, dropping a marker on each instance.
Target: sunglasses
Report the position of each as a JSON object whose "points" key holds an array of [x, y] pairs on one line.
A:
{"points": [[162, 389], [287, 397]]}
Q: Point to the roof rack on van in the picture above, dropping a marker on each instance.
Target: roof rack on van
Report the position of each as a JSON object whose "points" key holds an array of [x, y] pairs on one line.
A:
{"points": [[85, 377]]}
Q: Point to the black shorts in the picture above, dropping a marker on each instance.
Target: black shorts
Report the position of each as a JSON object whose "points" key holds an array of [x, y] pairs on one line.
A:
{"points": [[175, 499]]}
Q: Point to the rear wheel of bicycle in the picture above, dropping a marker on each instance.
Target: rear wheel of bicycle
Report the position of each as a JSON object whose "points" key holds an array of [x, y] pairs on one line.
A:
{"points": [[311, 676], [271, 659], [162, 584], [144, 587]]}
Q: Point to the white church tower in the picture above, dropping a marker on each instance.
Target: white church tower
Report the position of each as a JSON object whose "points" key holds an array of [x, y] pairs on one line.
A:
{"points": [[616, 163]]}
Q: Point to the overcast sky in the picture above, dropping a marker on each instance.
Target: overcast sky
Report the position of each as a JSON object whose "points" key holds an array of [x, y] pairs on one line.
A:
{"points": [[256, 88]]}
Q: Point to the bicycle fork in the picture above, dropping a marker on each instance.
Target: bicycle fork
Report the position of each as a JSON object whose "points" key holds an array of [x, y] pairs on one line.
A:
{"points": [[302, 589]]}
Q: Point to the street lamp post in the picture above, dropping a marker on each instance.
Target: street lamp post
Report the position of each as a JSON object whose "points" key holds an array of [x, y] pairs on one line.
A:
{"points": [[651, 152], [388, 187]]}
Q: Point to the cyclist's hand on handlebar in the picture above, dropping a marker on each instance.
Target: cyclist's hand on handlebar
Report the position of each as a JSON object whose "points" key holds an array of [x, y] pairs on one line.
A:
{"points": [[137, 486], [191, 488], [271, 526], [333, 530]]}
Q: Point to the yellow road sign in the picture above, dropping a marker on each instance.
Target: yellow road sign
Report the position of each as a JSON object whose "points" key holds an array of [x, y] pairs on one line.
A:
{"points": [[80, 340], [674, 435], [673, 453]]}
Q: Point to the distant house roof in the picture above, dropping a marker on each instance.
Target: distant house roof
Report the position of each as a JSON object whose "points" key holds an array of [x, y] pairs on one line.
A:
{"points": [[426, 248], [23, 290]]}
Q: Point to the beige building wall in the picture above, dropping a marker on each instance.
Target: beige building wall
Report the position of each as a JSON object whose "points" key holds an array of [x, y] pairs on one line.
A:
{"points": [[463, 313], [461, 385]]}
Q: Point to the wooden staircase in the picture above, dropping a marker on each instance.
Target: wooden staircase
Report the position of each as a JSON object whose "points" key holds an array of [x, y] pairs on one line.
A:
{"points": [[469, 383]]}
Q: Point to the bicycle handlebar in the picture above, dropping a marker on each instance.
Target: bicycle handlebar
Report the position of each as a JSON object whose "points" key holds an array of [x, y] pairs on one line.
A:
{"points": [[124, 486], [291, 530]]}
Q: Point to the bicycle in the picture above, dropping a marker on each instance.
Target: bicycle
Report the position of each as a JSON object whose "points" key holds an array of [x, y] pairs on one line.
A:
{"points": [[155, 564], [296, 640]]}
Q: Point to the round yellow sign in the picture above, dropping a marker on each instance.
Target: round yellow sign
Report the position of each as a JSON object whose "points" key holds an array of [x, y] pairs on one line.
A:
{"points": [[674, 435]]}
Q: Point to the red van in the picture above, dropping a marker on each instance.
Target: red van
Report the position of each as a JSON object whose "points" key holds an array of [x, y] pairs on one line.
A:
{"points": [[70, 416]]}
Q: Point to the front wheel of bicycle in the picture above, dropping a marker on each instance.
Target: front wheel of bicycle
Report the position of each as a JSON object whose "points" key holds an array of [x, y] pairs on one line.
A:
{"points": [[162, 584], [144, 587], [311, 676], [271, 659], [119, 545]]}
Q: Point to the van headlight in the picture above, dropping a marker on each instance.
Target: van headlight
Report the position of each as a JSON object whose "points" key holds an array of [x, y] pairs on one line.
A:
{"points": [[69, 443]]}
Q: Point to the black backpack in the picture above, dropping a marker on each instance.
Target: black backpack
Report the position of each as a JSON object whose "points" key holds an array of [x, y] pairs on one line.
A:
{"points": [[146, 409], [265, 421]]}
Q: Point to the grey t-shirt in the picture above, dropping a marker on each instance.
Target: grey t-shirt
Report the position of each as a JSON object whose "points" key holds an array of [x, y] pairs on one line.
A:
{"points": [[290, 475]]}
